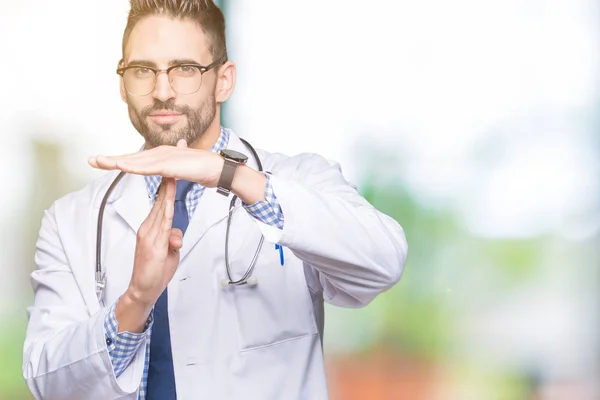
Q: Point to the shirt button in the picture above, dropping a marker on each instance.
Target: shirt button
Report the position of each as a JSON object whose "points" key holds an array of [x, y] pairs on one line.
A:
{"points": [[108, 341]]}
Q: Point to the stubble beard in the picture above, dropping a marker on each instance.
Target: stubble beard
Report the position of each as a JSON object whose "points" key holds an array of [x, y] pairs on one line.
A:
{"points": [[198, 121]]}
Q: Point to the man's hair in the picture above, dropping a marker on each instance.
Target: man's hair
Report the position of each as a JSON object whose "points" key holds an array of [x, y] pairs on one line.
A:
{"points": [[204, 12]]}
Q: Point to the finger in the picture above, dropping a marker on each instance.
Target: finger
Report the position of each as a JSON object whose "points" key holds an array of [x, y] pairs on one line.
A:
{"points": [[175, 239], [101, 162], [93, 160], [164, 221], [141, 166], [148, 162], [156, 208], [151, 155], [124, 157], [132, 156]]}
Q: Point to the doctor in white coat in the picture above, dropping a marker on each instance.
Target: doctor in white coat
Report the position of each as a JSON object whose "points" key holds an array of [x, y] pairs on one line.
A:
{"points": [[261, 339]]}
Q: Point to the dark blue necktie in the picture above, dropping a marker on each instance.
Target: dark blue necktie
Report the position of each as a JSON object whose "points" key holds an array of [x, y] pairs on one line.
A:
{"points": [[161, 377]]}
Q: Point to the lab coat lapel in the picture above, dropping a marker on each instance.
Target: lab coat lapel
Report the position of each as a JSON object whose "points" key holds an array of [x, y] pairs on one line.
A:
{"points": [[131, 200], [213, 207]]}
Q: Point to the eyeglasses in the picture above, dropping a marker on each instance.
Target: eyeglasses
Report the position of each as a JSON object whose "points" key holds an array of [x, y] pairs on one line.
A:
{"points": [[140, 80]]}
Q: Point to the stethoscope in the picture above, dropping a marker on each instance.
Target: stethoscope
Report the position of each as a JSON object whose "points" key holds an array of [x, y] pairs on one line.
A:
{"points": [[246, 279]]}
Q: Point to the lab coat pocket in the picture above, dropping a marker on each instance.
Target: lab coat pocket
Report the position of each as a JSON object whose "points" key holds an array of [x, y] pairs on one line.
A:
{"points": [[279, 308], [191, 317]]}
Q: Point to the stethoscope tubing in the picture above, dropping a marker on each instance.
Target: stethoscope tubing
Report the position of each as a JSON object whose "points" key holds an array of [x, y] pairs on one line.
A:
{"points": [[100, 275]]}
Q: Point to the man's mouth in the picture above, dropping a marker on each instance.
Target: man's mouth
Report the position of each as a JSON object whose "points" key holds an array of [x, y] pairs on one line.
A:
{"points": [[165, 117]]}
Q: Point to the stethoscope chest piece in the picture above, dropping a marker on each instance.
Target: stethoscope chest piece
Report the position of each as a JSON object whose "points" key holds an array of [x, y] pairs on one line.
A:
{"points": [[250, 282]]}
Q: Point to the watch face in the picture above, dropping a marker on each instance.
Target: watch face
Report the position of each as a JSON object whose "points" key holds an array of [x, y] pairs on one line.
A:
{"points": [[234, 155]]}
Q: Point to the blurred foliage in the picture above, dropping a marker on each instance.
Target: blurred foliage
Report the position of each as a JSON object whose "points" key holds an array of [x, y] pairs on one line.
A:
{"points": [[419, 312], [12, 384], [414, 321], [451, 275], [50, 181]]}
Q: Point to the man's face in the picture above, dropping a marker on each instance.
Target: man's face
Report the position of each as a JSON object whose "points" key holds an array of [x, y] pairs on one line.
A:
{"points": [[164, 116]]}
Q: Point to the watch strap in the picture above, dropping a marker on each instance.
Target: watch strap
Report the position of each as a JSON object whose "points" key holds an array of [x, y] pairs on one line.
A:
{"points": [[226, 178]]}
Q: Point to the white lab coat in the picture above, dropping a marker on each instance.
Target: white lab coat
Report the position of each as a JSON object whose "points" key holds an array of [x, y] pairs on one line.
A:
{"points": [[261, 342]]}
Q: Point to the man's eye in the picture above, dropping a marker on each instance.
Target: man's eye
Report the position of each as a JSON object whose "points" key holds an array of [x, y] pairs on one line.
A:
{"points": [[141, 71], [186, 70]]}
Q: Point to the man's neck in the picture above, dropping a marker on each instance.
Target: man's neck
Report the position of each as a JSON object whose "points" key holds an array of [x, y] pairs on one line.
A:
{"points": [[211, 135], [207, 140]]}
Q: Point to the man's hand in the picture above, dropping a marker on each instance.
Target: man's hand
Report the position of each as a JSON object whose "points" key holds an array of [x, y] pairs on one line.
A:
{"points": [[156, 260], [178, 162], [157, 248]]}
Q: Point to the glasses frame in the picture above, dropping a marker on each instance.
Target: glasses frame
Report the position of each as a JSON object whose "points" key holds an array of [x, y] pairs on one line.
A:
{"points": [[201, 68]]}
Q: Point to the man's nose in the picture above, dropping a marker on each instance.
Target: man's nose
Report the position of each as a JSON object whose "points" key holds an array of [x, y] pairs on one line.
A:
{"points": [[163, 90]]}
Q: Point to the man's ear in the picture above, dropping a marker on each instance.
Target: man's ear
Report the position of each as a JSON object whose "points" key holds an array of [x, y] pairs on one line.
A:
{"points": [[225, 82]]}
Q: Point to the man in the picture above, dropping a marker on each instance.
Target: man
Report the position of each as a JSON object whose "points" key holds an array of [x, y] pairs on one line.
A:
{"points": [[198, 297]]}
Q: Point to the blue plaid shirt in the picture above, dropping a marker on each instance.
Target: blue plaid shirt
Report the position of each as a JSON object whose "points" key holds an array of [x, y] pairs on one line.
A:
{"points": [[122, 347]]}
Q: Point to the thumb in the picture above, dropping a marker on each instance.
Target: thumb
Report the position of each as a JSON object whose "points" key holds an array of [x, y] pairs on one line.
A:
{"points": [[182, 143]]}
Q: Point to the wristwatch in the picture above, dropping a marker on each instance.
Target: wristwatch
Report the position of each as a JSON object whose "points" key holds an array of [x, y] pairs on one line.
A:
{"points": [[232, 159]]}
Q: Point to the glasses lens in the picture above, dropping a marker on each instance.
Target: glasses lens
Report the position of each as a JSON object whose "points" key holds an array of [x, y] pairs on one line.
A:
{"points": [[185, 79], [139, 81]]}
